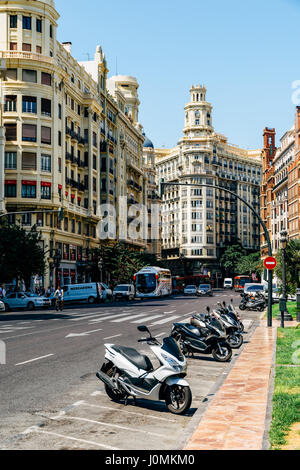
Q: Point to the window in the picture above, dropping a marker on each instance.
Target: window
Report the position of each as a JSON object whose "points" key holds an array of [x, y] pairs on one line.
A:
{"points": [[94, 162], [59, 138], [10, 189], [13, 21], [46, 191], [26, 22], [28, 190], [38, 25], [29, 133], [29, 76], [29, 161], [38, 49], [46, 135], [46, 163], [26, 220], [11, 75], [10, 104], [13, 46], [51, 31], [10, 160], [26, 47], [46, 79], [11, 132], [59, 111], [210, 240], [46, 107], [29, 104]]}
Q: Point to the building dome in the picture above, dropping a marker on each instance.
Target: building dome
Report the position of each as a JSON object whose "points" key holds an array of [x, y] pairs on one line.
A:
{"points": [[148, 144]]}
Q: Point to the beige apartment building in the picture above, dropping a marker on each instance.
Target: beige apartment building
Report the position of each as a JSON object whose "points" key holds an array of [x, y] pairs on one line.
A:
{"points": [[198, 223], [72, 140]]}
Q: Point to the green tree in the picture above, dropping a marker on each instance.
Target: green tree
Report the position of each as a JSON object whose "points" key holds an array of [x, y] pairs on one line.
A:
{"points": [[21, 255], [292, 265], [251, 264], [121, 262], [231, 257]]}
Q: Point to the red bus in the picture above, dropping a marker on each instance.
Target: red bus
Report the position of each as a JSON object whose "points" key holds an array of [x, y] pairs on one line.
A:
{"points": [[180, 282], [241, 281]]}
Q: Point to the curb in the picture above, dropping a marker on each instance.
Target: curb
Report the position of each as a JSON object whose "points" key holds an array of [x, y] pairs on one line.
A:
{"points": [[266, 445], [196, 420]]}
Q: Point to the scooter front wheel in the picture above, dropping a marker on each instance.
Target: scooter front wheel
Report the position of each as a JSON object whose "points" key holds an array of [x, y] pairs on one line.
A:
{"points": [[223, 355], [178, 399], [242, 307]]}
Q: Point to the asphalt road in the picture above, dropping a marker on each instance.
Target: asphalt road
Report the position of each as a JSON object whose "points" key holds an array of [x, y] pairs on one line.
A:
{"points": [[49, 376]]}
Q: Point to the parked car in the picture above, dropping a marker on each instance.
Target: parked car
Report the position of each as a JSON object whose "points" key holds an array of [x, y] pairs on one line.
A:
{"points": [[25, 301], [2, 306], [228, 283], [277, 295], [190, 290], [124, 291], [204, 289], [90, 292]]}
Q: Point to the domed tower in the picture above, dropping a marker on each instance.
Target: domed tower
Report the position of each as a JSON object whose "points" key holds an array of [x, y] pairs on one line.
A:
{"points": [[28, 27], [198, 114]]}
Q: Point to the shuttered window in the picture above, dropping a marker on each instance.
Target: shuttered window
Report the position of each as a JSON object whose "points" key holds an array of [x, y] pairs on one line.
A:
{"points": [[11, 132], [13, 46], [29, 133], [11, 75], [29, 161], [46, 79], [26, 47], [29, 76], [46, 135]]}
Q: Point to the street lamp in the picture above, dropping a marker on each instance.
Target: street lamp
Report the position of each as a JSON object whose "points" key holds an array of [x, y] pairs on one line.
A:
{"points": [[284, 314]]}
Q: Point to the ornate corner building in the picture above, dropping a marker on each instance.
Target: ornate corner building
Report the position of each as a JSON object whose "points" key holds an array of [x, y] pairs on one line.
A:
{"points": [[72, 138], [197, 224]]}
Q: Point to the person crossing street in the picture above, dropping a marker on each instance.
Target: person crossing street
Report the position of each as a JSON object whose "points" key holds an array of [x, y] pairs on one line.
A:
{"points": [[59, 296]]}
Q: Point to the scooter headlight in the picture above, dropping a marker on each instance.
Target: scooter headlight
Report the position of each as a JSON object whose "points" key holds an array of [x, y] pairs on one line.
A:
{"points": [[172, 363]]}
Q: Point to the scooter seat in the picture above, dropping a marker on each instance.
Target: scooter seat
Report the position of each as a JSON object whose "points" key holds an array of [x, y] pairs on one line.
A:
{"points": [[140, 361]]}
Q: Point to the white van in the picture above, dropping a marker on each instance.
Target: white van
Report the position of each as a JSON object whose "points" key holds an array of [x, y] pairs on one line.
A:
{"points": [[91, 292], [228, 283], [124, 292]]}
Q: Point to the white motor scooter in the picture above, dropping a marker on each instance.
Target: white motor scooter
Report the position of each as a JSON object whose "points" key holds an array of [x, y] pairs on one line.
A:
{"points": [[129, 373]]}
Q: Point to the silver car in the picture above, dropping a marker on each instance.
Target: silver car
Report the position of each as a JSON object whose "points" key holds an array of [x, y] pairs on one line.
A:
{"points": [[25, 301], [2, 306]]}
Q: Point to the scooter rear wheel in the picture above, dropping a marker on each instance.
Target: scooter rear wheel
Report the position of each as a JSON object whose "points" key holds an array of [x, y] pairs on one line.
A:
{"points": [[178, 399], [226, 354], [116, 396]]}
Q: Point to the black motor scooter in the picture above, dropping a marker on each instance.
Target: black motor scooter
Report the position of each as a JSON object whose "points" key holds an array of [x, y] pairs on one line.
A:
{"points": [[258, 304], [204, 335]]}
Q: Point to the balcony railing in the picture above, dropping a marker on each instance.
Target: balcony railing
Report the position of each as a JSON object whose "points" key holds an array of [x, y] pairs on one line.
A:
{"points": [[26, 56]]}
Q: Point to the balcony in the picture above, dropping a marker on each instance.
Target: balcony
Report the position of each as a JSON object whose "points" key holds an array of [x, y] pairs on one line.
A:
{"points": [[26, 56]]}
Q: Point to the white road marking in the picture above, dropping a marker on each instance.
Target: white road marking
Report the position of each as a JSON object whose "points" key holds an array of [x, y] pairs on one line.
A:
{"points": [[169, 313], [72, 335], [38, 430], [125, 428], [128, 318], [109, 317], [161, 334], [111, 337], [95, 394], [34, 360], [147, 319], [129, 412], [166, 320]]}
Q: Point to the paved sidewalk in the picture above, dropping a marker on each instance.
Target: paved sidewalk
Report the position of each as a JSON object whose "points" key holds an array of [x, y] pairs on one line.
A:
{"points": [[235, 419]]}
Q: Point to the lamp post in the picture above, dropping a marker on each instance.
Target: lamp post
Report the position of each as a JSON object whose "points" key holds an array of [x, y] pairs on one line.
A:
{"points": [[100, 267], [284, 314]]}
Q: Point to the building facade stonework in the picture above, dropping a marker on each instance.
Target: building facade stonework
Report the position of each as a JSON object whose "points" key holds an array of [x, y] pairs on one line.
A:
{"points": [[198, 223], [73, 140]]}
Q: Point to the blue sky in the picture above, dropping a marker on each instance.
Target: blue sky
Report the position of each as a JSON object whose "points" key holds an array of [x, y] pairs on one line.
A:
{"points": [[246, 53]]}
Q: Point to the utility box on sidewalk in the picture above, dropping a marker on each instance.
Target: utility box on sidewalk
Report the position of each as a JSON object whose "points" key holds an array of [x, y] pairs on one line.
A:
{"points": [[298, 304]]}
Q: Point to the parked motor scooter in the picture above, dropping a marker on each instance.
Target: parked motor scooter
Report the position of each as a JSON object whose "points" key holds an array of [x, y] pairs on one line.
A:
{"points": [[129, 373], [203, 335], [256, 304]]}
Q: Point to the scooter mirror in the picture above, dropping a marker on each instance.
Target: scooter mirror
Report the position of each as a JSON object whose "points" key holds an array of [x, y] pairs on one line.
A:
{"points": [[143, 329], [224, 304], [231, 301], [208, 309]]}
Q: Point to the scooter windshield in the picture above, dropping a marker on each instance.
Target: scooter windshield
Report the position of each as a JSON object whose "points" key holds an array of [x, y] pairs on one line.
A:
{"points": [[172, 347]]}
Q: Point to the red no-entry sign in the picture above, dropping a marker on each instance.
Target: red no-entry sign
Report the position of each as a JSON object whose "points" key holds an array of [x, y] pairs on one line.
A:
{"points": [[270, 263]]}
